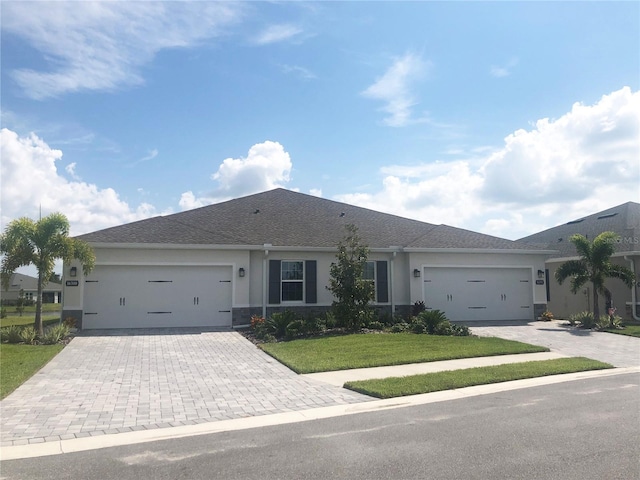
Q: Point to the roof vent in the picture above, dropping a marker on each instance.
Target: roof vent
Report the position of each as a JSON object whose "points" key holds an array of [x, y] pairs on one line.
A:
{"points": [[257, 210], [608, 215], [342, 214], [560, 239], [575, 221]]}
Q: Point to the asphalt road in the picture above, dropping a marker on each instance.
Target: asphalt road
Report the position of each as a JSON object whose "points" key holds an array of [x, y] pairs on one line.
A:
{"points": [[587, 429]]}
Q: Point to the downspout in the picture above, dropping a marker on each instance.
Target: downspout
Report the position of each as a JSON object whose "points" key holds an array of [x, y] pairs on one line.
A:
{"points": [[391, 277], [264, 282], [633, 289]]}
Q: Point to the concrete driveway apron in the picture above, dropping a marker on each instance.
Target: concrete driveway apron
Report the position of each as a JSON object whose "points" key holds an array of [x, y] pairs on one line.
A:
{"points": [[107, 382], [618, 350]]}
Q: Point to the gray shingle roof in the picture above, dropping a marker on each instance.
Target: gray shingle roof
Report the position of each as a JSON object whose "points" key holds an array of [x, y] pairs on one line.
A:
{"points": [[285, 218], [623, 219]]}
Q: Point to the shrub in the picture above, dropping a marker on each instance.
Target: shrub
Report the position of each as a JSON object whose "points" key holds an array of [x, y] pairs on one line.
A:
{"points": [[546, 316], [294, 329], [417, 308], [11, 334], [55, 334], [417, 327], [70, 322], [3, 312], [29, 335], [606, 321], [330, 320], [376, 326], [460, 330], [313, 325], [585, 319], [399, 327], [431, 318], [277, 323]]}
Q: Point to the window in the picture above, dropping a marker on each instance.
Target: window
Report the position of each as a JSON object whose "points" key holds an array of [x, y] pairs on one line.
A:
{"points": [[376, 272], [292, 277], [369, 272]]}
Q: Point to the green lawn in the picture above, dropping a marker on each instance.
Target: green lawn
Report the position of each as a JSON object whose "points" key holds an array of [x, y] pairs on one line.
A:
{"points": [[19, 362], [28, 319], [374, 350], [631, 330], [46, 307], [434, 382]]}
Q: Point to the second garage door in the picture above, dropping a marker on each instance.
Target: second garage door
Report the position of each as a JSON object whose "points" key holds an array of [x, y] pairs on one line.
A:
{"points": [[157, 296], [484, 294]]}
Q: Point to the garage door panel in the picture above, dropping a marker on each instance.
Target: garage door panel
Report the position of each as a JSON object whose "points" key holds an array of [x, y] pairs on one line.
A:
{"points": [[469, 293], [155, 296]]}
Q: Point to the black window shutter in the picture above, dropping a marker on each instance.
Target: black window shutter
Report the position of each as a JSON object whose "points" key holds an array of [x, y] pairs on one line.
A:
{"points": [[274, 282], [311, 281], [382, 282]]}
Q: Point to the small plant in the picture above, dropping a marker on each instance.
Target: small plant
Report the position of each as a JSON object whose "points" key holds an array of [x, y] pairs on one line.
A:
{"points": [[546, 316], [313, 325], [584, 319], [330, 320], [417, 308], [399, 327], [376, 326], [29, 335], [294, 329], [11, 334], [55, 334], [431, 319], [609, 321], [70, 322], [277, 323], [3, 312]]}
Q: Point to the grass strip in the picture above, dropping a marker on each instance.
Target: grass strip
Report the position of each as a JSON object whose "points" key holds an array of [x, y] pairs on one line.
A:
{"points": [[28, 320], [451, 379], [19, 362], [630, 330], [374, 350]]}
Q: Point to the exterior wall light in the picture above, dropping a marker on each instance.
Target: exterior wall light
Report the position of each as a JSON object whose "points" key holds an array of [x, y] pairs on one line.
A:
{"points": [[416, 273], [73, 271], [241, 272], [540, 273]]}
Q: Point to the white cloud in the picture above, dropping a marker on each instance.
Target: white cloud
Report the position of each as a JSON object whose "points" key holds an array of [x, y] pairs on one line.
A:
{"points": [[394, 88], [71, 170], [299, 71], [102, 45], [277, 33], [581, 163], [267, 166], [316, 192], [30, 180], [503, 71]]}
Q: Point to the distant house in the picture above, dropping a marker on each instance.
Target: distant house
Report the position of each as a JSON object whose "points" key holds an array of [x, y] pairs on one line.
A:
{"points": [[52, 292], [623, 220], [218, 265]]}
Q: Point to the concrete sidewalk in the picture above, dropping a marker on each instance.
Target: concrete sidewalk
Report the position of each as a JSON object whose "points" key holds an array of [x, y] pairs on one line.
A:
{"points": [[338, 378]]}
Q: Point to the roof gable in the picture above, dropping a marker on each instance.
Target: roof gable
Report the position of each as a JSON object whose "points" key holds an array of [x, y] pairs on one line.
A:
{"points": [[622, 219], [290, 219]]}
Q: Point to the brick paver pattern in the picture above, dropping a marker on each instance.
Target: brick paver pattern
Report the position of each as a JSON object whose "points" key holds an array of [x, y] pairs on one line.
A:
{"points": [[120, 381], [558, 336]]}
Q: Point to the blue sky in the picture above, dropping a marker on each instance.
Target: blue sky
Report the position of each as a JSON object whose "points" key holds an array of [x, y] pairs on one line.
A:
{"points": [[505, 118]]}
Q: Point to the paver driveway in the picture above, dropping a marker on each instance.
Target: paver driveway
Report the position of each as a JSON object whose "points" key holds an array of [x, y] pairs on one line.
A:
{"points": [[118, 381], [618, 350]]}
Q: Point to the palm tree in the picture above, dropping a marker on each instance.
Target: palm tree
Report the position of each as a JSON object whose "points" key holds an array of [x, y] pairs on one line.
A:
{"points": [[594, 265], [25, 242]]}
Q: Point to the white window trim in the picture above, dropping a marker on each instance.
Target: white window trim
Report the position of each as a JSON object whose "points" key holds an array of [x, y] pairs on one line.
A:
{"points": [[301, 281]]}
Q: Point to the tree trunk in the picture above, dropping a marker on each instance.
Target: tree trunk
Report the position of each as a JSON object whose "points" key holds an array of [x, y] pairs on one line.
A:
{"points": [[596, 305], [38, 323]]}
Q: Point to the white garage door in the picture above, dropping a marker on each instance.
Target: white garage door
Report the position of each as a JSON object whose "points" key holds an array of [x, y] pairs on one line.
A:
{"points": [[153, 296], [467, 294]]}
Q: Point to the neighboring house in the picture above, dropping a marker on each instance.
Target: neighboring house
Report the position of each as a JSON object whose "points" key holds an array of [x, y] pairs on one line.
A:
{"points": [[623, 220], [51, 293], [220, 264]]}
